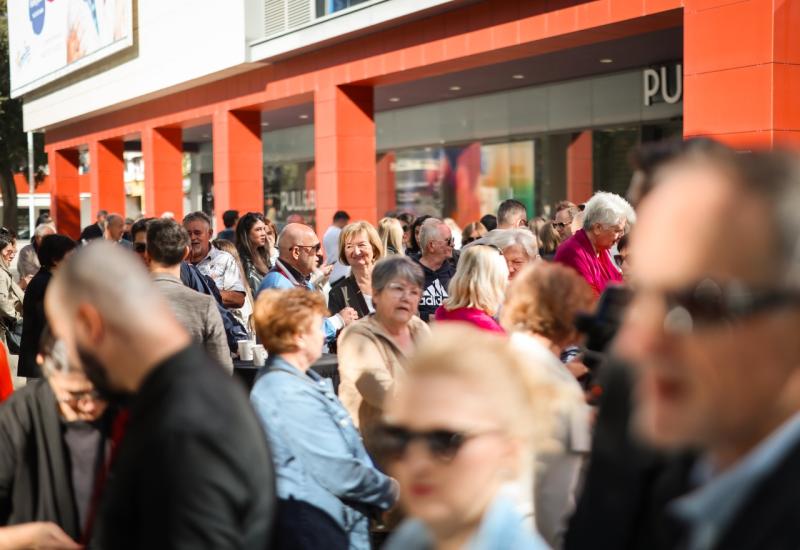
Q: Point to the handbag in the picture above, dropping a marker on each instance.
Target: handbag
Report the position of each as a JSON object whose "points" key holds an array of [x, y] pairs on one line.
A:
{"points": [[13, 338]]}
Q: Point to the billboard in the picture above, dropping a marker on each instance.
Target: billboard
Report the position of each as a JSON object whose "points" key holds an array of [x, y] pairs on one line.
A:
{"points": [[51, 38]]}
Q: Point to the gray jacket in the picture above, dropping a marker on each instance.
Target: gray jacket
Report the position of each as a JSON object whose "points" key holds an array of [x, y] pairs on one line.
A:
{"points": [[199, 315]]}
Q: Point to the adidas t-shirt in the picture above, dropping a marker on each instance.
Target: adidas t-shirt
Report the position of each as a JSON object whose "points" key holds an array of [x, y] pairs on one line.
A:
{"points": [[434, 292]]}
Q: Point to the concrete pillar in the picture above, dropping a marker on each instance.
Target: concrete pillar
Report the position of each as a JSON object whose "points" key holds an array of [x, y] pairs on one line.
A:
{"points": [[238, 163], [344, 150], [106, 176], [162, 151], [66, 202], [580, 184]]}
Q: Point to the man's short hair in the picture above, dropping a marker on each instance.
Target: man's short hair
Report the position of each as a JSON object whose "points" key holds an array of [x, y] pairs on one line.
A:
{"points": [[197, 216], [166, 242], [229, 218], [341, 216], [102, 213], [429, 232], [507, 209], [139, 226], [489, 221], [53, 249]]}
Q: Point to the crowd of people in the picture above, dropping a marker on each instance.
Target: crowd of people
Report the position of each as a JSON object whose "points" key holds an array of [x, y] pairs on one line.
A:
{"points": [[619, 374]]}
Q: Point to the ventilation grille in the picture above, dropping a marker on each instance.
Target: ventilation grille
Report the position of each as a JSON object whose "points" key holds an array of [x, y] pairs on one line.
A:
{"points": [[283, 15]]}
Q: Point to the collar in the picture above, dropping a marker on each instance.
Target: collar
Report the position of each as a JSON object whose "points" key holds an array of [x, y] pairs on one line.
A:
{"points": [[291, 273], [710, 508], [276, 362], [167, 278], [212, 252]]}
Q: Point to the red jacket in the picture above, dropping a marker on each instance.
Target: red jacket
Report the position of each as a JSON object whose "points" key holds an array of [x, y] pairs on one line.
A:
{"points": [[6, 384], [471, 315], [578, 253]]}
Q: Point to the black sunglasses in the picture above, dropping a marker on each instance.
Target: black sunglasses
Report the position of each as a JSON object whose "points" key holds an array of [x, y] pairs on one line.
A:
{"points": [[392, 442], [315, 247], [139, 248], [497, 248], [711, 303]]}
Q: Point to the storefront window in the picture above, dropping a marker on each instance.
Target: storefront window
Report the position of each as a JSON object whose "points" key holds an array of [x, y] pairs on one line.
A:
{"points": [[289, 189]]}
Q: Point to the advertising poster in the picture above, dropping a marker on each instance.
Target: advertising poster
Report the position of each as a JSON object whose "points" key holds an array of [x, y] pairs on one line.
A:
{"points": [[51, 38]]}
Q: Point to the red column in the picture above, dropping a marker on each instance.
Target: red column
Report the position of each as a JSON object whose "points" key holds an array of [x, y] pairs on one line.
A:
{"points": [[741, 86], [238, 163], [162, 149], [106, 176], [344, 142], [579, 168], [66, 202]]}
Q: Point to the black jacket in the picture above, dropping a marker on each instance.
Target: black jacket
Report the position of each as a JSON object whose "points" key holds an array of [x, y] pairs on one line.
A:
{"points": [[193, 469], [34, 322], [34, 468], [90, 232], [435, 291], [354, 297]]}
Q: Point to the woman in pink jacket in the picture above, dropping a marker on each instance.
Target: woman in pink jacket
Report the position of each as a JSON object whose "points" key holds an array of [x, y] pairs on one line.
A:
{"points": [[477, 289], [606, 219]]}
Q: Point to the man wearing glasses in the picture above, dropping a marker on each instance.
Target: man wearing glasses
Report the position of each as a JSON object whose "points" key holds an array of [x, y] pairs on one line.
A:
{"points": [[712, 333], [436, 244], [298, 257]]}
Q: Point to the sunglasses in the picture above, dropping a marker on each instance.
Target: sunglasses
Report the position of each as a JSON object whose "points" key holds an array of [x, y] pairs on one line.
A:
{"points": [[406, 229], [392, 442], [711, 303], [315, 247], [559, 225], [139, 248]]}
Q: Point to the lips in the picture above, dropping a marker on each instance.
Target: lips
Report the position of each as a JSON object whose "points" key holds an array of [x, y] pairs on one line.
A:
{"points": [[420, 489]]}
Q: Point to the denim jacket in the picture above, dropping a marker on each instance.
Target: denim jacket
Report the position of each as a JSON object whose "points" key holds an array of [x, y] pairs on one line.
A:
{"points": [[318, 453]]}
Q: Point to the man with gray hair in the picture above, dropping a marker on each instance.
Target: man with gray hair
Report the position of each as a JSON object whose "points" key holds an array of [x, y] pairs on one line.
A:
{"points": [[115, 227], [607, 218], [28, 261], [194, 469], [436, 260]]}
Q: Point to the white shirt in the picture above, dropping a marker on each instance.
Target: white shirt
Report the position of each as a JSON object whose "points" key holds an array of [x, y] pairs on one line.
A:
{"points": [[222, 269]]}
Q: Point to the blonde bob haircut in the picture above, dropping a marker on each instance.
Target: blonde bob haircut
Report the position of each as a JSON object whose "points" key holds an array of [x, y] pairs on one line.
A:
{"points": [[391, 233], [283, 315], [480, 280], [372, 236], [522, 401]]}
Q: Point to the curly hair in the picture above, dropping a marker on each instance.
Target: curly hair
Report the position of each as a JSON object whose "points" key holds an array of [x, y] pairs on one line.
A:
{"points": [[282, 315], [545, 299]]}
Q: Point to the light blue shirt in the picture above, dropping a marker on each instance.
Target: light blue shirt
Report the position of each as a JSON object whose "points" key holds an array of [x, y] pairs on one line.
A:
{"points": [[709, 510], [502, 527], [318, 453]]}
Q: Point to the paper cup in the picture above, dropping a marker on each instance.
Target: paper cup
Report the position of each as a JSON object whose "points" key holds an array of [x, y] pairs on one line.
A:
{"points": [[245, 350], [259, 356]]}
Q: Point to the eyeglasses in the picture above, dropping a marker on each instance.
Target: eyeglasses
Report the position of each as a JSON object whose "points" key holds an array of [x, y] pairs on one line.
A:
{"points": [[559, 225], [710, 303], [75, 397], [140, 248], [400, 290], [392, 441], [406, 229], [314, 247], [449, 242]]}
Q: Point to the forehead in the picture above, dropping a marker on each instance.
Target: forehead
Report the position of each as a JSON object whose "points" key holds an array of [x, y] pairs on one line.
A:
{"points": [[357, 236], [197, 225], [691, 227]]}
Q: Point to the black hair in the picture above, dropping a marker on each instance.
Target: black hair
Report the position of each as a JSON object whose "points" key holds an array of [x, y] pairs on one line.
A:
{"points": [[166, 241], [52, 250], [229, 218], [414, 248], [139, 226], [341, 216], [489, 221]]}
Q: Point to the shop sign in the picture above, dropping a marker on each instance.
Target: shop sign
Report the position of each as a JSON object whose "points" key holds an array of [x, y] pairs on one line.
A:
{"points": [[663, 84]]}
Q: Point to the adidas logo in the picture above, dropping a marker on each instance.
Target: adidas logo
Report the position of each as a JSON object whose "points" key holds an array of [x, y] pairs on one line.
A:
{"points": [[434, 295]]}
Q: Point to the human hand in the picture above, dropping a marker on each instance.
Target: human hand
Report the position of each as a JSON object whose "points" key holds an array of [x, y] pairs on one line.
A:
{"points": [[40, 535], [348, 315]]}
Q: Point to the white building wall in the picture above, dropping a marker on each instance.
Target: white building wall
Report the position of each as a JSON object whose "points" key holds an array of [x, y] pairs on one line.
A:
{"points": [[176, 42]]}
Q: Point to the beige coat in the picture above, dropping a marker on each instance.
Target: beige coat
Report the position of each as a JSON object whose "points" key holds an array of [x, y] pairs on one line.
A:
{"points": [[11, 296], [370, 364]]}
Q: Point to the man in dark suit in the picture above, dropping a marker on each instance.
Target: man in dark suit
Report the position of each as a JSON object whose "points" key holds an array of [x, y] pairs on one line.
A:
{"points": [[193, 469], [712, 335], [97, 229]]}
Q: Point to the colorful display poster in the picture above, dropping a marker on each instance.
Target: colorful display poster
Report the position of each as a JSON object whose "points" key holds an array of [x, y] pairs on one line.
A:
{"points": [[51, 38]]}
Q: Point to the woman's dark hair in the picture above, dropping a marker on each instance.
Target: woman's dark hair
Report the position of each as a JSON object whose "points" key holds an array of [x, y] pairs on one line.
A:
{"points": [[52, 250], [414, 248], [243, 246]]}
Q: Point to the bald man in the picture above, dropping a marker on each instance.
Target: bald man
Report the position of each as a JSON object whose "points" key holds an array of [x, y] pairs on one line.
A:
{"points": [[115, 227], [298, 257]]}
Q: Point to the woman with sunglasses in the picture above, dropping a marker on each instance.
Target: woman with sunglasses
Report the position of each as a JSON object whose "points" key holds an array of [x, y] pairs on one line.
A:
{"points": [[327, 484], [254, 248], [472, 232], [458, 437], [477, 289]]}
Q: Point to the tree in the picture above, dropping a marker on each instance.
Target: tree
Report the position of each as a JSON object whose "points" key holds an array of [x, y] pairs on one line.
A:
{"points": [[13, 142]]}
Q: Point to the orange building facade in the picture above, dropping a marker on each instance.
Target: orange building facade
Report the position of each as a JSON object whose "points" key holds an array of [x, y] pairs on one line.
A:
{"points": [[738, 68]]}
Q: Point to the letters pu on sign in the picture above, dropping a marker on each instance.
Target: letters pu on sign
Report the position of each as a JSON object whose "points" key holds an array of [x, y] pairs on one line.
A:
{"points": [[658, 82]]}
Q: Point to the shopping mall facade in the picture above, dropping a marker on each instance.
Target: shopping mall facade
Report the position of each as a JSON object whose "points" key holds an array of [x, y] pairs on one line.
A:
{"points": [[442, 107]]}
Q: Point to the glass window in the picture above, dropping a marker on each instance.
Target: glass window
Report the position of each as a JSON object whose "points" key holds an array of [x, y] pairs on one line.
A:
{"points": [[289, 189]]}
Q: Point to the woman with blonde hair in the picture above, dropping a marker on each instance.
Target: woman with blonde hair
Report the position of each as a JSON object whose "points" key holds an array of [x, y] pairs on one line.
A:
{"points": [[477, 289], [360, 248], [391, 233], [461, 438]]}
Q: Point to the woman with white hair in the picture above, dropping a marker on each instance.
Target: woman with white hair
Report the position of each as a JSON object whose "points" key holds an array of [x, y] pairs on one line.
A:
{"points": [[477, 289], [607, 217], [520, 247]]}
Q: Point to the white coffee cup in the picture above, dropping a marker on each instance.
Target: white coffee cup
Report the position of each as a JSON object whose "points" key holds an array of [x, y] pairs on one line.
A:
{"points": [[245, 350], [259, 356]]}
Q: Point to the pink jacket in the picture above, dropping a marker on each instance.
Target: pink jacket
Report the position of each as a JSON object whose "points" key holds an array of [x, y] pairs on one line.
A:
{"points": [[470, 315], [578, 253]]}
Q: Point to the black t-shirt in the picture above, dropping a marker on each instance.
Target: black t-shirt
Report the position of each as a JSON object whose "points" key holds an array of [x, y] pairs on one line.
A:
{"points": [[435, 292], [83, 440]]}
